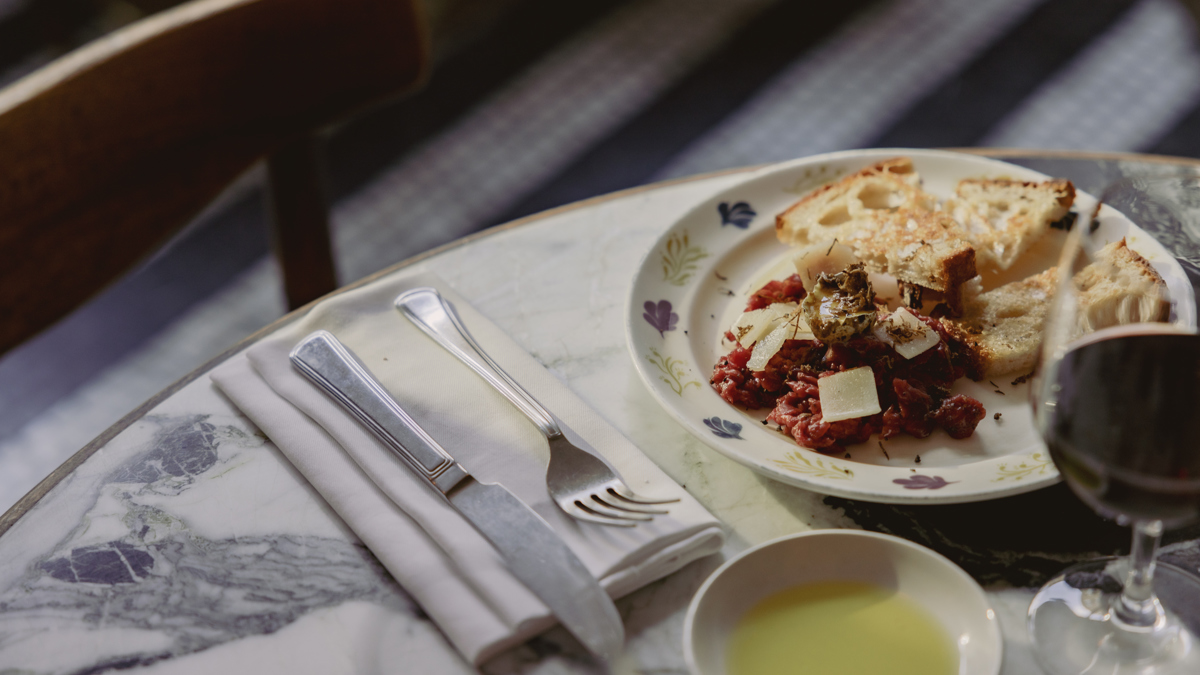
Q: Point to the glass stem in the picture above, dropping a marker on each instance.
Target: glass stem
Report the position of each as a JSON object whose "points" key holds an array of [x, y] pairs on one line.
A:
{"points": [[1138, 609]]}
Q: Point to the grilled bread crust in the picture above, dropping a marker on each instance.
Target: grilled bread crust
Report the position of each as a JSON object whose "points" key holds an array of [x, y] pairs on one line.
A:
{"points": [[894, 227], [1121, 287], [1003, 218], [1001, 330], [925, 248], [882, 214]]}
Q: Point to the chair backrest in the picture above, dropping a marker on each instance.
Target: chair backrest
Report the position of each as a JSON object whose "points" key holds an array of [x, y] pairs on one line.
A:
{"points": [[108, 151]]}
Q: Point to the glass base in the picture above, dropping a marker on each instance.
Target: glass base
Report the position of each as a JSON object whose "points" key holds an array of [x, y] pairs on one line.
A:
{"points": [[1072, 631]]}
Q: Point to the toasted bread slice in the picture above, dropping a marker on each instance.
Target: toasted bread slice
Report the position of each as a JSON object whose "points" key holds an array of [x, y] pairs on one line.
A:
{"points": [[1120, 287], [890, 224], [1002, 328], [924, 248], [1004, 218], [840, 207]]}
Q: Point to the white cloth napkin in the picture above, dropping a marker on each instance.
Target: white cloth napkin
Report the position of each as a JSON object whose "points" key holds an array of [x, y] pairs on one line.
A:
{"points": [[435, 554]]}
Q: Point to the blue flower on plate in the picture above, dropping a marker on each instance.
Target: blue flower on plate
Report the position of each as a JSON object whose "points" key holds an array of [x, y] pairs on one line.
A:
{"points": [[923, 482], [660, 316], [724, 428], [738, 215]]}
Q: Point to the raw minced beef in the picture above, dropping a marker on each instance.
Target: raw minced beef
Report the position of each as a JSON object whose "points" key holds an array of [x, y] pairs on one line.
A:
{"points": [[783, 290], [914, 394]]}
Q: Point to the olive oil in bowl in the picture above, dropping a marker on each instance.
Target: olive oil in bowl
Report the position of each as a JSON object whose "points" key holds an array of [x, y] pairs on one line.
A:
{"points": [[828, 602], [840, 627]]}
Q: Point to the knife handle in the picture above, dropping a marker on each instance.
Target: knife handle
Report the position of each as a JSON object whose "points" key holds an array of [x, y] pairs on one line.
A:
{"points": [[334, 368]]}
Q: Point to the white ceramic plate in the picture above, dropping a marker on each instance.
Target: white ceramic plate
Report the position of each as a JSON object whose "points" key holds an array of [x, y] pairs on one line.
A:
{"points": [[942, 588], [693, 283]]}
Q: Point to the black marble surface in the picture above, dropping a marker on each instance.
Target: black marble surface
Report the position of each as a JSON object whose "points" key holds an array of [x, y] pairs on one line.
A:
{"points": [[1022, 540]]}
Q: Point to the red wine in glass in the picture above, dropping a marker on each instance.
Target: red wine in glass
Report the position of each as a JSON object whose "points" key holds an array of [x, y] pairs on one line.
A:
{"points": [[1125, 428]]}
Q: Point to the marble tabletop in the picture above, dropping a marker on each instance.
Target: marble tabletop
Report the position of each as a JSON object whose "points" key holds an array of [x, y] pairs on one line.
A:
{"points": [[181, 541]]}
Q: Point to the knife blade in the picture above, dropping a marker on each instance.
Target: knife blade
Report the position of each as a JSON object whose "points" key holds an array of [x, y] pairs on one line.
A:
{"points": [[531, 549]]}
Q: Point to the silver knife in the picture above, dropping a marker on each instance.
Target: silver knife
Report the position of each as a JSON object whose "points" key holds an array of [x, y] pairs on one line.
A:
{"points": [[533, 551]]}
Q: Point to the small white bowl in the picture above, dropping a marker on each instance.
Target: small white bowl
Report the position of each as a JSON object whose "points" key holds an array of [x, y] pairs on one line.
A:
{"points": [[937, 584]]}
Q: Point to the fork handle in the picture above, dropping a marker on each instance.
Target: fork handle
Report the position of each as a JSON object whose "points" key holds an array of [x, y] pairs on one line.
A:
{"points": [[431, 313]]}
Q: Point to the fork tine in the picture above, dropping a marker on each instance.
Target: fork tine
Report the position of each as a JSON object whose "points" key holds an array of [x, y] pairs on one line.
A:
{"points": [[597, 506], [579, 511], [622, 491], [613, 499]]}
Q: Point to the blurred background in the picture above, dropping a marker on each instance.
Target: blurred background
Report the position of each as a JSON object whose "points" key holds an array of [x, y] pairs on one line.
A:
{"points": [[533, 104]]}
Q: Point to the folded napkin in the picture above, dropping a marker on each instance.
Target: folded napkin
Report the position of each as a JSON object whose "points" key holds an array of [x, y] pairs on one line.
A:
{"points": [[435, 554]]}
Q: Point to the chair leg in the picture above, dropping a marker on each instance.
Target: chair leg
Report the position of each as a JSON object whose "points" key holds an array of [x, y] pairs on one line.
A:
{"points": [[300, 221]]}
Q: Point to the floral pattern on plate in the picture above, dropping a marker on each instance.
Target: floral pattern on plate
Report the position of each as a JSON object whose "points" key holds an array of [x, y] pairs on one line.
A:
{"points": [[680, 259], [817, 466], [739, 214], [723, 428], [702, 265], [922, 481], [1036, 464], [672, 371], [659, 315]]}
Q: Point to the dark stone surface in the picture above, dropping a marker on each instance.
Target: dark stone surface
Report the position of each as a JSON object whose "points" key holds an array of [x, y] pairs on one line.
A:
{"points": [[186, 448], [1101, 580], [1022, 540], [113, 563]]}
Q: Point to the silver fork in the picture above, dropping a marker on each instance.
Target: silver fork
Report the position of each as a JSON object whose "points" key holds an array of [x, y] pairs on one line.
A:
{"points": [[580, 483]]}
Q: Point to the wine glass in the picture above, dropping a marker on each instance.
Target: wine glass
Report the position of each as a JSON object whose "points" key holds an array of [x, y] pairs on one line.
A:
{"points": [[1117, 400]]}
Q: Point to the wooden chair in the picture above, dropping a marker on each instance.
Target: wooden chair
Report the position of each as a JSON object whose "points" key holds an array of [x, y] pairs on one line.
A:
{"points": [[108, 151]]}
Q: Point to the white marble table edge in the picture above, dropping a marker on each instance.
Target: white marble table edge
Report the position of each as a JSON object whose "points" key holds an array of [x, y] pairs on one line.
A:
{"points": [[22, 506]]}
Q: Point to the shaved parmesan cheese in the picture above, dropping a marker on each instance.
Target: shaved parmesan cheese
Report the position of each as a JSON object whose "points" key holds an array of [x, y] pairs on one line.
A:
{"points": [[848, 394], [826, 256], [907, 334], [793, 327], [751, 326]]}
